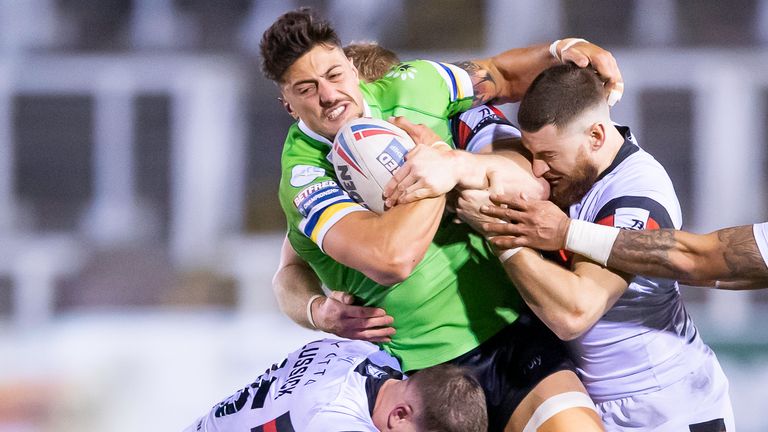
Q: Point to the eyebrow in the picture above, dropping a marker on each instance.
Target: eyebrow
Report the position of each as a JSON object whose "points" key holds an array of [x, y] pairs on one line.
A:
{"points": [[311, 80]]}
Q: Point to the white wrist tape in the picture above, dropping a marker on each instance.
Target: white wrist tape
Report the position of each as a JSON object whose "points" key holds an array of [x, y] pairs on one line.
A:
{"points": [[553, 49], [309, 309], [504, 256], [591, 240], [569, 43]]}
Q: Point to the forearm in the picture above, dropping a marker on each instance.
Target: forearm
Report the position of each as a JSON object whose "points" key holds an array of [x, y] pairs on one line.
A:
{"points": [[567, 303], [518, 68], [294, 285], [509, 169], [670, 254]]}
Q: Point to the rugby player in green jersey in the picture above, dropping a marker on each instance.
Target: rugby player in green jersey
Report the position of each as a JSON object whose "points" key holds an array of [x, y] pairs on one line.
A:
{"points": [[450, 298]]}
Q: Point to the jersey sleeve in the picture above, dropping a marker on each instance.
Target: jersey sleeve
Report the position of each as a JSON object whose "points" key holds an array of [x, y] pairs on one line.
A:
{"points": [[477, 128], [761, 238], [459, 85], [635, 213], [311, 198]]}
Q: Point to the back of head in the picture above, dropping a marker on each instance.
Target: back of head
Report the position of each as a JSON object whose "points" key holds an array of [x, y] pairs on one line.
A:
{"points": [[558, 96], [451, 400], [291, 36], [371, 59]]}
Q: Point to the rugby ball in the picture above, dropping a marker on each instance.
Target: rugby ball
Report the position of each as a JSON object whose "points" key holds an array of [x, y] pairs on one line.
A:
{"points": [[365, 154]]}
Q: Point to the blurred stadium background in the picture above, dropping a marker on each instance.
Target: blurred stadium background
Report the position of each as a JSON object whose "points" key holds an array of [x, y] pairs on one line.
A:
{"points": [[139, 163]]}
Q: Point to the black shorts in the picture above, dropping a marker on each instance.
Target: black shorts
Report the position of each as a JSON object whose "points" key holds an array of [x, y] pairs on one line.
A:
{"points": [[512, 362]]}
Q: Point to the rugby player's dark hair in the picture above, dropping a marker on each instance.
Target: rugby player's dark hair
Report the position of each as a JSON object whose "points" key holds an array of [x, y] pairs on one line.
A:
{"points": [[451, 400], [291, 36], [558, 95], [371, 59]]}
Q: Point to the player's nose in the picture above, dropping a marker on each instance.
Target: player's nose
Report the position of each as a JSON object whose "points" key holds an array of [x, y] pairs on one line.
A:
{"points": [[327, 93], [539, 167]]}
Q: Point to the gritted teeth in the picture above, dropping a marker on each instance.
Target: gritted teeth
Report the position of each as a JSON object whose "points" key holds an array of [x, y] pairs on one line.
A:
{"points": [[336, 112]]}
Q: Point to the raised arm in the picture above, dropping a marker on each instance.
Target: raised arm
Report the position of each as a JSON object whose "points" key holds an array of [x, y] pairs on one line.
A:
{"points": [[506, 76]]}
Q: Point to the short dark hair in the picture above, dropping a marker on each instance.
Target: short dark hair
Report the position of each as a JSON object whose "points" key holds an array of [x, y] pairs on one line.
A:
{"points": [[451, 400], [558, 95], [291, 36], [371, 59]]}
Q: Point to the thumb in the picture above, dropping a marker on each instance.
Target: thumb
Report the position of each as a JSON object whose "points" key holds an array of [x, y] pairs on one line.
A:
{"points": [[342, 297], [495, 186], [404, 124]]}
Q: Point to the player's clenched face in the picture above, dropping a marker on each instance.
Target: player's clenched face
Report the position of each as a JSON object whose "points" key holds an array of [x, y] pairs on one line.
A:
{"points": [[563, 159], [321, 88]]}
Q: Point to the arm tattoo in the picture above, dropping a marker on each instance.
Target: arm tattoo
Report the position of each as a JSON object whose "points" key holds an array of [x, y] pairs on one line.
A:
{"points": [[741, 254], [644, 252], [483, 83]]}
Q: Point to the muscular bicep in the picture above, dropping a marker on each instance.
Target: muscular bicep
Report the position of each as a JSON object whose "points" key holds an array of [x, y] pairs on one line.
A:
{"points": [[349, 242], [385, 247]]}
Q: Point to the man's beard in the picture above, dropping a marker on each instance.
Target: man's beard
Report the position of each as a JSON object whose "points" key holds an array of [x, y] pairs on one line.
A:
{"points": [[572, 190]]}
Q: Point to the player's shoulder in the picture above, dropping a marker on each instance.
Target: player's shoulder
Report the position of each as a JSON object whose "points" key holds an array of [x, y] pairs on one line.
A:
{"points": [[425, 77], [640, 172], [639, 194]]}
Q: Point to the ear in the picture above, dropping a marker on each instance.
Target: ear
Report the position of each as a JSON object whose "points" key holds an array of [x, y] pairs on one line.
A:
{"points": [[288, 108], [400, 416], [597, 135]]}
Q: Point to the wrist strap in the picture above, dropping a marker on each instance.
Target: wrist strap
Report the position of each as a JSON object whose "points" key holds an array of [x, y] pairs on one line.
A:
{"points": [[553, 49], [591, 240], [568, 44], [309, 309], [505, 255]]}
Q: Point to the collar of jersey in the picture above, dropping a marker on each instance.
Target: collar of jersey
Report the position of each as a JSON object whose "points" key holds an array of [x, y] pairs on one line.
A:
{"points": [[317, 137], [628, 148]]}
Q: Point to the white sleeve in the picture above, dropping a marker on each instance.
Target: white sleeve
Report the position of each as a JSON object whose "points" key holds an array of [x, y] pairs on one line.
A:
{"points": [[338, 422], [761, 238]]}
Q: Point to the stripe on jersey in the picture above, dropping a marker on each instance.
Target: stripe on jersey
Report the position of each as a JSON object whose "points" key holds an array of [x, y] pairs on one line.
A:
{"points": [[322, 205], [478, 127], [280, 424], [634, 212], [457, 79]]}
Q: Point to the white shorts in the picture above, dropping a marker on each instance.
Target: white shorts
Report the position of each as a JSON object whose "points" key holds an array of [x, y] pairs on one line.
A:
{"points": [[699, 400]]}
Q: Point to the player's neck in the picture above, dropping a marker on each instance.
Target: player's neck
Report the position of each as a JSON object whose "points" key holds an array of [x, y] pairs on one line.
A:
{"points": [[613, 142], [391, 393]]}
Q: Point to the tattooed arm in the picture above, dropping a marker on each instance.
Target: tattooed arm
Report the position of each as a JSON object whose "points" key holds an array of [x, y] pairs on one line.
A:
{"points": [[727, 254], [505, 77], [730, 254]]}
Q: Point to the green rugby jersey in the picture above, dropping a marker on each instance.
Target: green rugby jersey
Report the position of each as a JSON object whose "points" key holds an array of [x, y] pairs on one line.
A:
{"points": [[458, 296]]}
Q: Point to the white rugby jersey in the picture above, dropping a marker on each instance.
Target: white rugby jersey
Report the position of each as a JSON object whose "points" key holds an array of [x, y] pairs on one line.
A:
{"points": [[647, 340], [327, 385], [761, 238], [477, 128]]}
